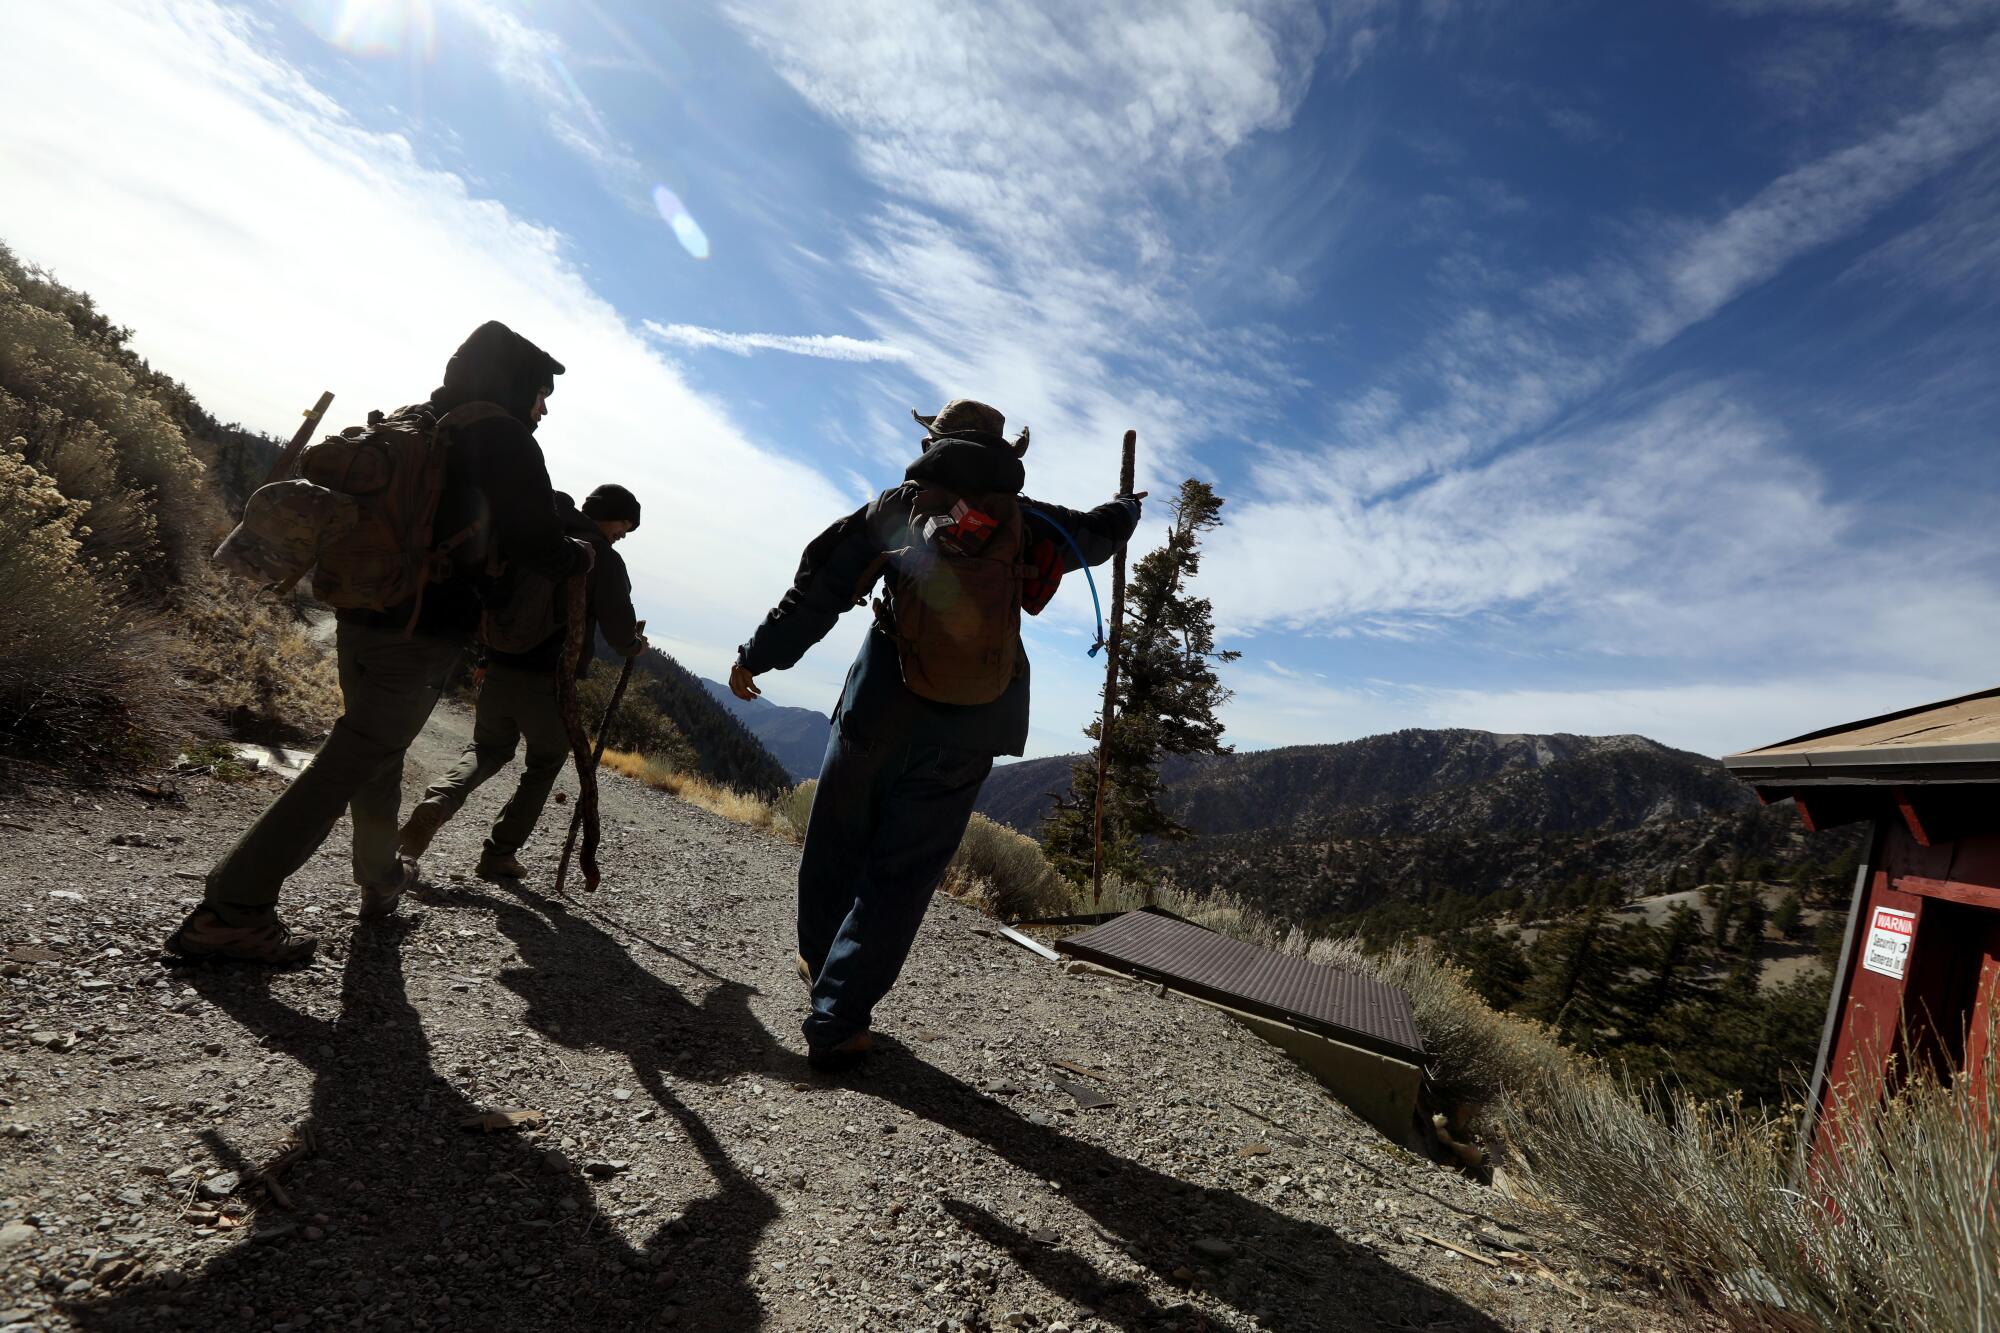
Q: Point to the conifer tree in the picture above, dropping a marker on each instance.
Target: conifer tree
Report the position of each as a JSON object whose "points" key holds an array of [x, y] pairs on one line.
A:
{"points": [[1168, 699]]}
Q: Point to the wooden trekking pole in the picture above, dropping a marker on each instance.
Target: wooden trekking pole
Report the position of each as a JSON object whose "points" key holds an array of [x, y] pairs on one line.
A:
{"points": [[596, 757], [1125, 481], [292, 451]]}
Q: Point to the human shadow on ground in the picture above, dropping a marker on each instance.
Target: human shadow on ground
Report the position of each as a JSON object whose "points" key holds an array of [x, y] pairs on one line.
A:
{"points": [[428, 1226], [1298, 1274]]}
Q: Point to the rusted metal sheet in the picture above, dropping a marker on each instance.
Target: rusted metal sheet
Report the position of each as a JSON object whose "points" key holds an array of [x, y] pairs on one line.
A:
{"points": [[1185, 957]]}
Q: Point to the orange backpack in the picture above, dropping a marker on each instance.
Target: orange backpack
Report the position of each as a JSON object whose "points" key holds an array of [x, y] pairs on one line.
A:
{"points": [[954, 603]]}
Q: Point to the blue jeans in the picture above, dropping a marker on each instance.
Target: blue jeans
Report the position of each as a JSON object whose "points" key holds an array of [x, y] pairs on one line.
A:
{"points": [[885, 822]]}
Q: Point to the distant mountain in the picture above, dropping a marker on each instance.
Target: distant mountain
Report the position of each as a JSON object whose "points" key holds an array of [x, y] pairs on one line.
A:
{"points": [[1413, 782], [796, 737], [1315, 831]]}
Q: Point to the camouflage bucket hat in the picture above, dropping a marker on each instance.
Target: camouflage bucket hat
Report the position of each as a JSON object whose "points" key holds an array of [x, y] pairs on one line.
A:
{"points": [[969, 419], [283, 529]]}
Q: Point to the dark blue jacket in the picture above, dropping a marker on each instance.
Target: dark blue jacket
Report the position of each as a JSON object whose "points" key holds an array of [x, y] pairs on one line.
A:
{"points": [[875, 706]]}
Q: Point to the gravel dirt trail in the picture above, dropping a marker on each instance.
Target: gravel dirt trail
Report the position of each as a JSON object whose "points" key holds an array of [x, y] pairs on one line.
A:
{"points": [[691, 1171]]}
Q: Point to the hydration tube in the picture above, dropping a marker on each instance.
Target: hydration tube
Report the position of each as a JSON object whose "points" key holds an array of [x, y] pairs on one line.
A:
{"points": [[1081, 564]]}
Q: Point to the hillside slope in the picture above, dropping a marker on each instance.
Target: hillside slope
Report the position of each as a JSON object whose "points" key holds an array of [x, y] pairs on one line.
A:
{"points": [[1413, 781], [796, 737], [692, 1172]]}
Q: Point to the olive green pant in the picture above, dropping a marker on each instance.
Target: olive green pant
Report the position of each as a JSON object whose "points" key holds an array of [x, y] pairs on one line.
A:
{"points": [[513, 706], [389, 685]]}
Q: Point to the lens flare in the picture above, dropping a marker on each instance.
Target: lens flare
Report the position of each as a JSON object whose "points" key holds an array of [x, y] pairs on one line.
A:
{"points": [[374, 27], [686, 230]]}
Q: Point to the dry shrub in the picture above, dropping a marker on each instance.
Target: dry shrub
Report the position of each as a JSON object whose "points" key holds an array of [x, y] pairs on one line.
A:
{"points": [[1004, 873], [251, 660], [694, 789], [1896, 1228], [80, 685], [795, 809]]}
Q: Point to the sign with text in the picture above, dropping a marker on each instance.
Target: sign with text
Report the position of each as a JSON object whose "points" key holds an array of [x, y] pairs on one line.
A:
{"points": [[1891, 932]]}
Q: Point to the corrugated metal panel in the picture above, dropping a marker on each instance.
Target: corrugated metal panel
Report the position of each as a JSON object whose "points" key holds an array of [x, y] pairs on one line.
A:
{"points": [[1355, 1009]]}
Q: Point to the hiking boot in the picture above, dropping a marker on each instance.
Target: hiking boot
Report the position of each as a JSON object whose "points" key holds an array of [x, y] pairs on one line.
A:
{"points": [[805, 971], [377, 903], [841, 1056], [267, 940], [423, 824], [499, 865]]}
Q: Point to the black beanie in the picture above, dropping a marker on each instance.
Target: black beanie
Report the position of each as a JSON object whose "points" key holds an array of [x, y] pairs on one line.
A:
{"points": [[611, 502]]}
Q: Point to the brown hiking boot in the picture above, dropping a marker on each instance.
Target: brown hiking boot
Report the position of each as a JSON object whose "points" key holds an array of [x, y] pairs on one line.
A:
{"points": [[842, 1055], [418, 830], [500, 865], [267, 940], [805, 971], [377, 903]]}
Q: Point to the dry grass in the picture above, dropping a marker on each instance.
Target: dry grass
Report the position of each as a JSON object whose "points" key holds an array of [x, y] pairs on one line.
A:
{"points": [[697, 790], [1895, 1229]]}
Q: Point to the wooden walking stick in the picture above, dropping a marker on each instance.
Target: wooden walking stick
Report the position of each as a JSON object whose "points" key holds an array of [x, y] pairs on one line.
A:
{"points": [[597, 756], [282, 468], [1125, 467]]}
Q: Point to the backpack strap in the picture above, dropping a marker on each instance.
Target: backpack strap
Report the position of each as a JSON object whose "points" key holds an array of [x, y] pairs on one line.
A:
{"points": [[460, 417]]}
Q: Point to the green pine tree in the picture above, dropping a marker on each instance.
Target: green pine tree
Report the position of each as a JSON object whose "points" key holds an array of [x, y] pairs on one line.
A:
{"points": [[1169, 696]]}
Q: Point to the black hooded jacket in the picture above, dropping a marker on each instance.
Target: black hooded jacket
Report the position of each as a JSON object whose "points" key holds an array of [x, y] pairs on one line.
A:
{"points": [[495, 476], [875, 706]]}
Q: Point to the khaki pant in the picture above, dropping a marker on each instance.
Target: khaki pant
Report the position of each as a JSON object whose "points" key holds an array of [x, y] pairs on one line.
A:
{"points": [[513, 706], [389, 685]]}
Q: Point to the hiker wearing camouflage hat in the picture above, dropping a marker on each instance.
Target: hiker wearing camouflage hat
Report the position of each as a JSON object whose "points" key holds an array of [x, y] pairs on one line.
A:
{"points": [[939, 688]]}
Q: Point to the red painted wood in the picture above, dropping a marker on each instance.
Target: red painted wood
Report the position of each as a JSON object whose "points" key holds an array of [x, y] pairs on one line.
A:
{"points": [[1972, 895], [1941, 1012]]}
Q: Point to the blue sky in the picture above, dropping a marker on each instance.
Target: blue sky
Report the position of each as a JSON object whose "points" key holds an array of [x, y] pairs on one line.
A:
{"points": [[1566, 366]]}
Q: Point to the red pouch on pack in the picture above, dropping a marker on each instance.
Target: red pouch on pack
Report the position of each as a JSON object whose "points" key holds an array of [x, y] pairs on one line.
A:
{"points": [[1039, 586]]}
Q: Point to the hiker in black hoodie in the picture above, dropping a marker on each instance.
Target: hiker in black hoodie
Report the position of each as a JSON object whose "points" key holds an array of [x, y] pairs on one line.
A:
{"points": [[902, 772], [496, 483], [518, 697]]}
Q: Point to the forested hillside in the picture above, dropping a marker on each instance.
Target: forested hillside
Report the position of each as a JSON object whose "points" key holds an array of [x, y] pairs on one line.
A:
{"points": [[118, 641], [718, 744]]}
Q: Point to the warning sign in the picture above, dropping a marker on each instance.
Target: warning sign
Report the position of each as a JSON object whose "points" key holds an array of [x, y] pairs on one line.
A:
{"points": [[1890, 934]]}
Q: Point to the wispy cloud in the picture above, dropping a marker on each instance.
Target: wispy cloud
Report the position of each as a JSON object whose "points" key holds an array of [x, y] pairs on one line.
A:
{"points": [[160, 175], [1027, 258], [826, 346]]}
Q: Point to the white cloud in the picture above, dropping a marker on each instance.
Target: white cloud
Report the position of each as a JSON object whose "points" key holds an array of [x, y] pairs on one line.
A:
{"points": [[262, 246], [826, 346], [1028, 262]]}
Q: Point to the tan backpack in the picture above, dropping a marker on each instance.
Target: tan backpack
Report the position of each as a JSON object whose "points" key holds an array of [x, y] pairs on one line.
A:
{"points": [[954, 604], [360, 517]]}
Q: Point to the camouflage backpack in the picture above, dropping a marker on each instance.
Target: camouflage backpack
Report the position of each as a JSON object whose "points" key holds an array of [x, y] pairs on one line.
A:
{"points": [[359, 518], [954, 604]]}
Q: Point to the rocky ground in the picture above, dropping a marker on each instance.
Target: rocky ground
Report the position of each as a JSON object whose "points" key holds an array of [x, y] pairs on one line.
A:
{"points": [[681, 1167]]}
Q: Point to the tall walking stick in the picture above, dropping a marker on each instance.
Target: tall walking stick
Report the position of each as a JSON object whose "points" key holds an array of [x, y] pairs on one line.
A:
{"points": [[597, 756], [282, 467], [1110, 679]]}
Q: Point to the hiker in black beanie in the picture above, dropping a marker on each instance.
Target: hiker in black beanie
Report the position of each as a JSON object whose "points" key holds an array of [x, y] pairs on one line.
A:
{"points": [[517, 693]]}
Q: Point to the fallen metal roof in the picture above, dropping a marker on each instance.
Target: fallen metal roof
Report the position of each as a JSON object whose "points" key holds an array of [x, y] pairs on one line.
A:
{"points": [[1185, 957], [1957, 740]]}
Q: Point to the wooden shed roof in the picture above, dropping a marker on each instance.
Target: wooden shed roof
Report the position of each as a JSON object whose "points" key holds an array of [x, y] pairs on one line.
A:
{"points": [[1957, 740]]}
